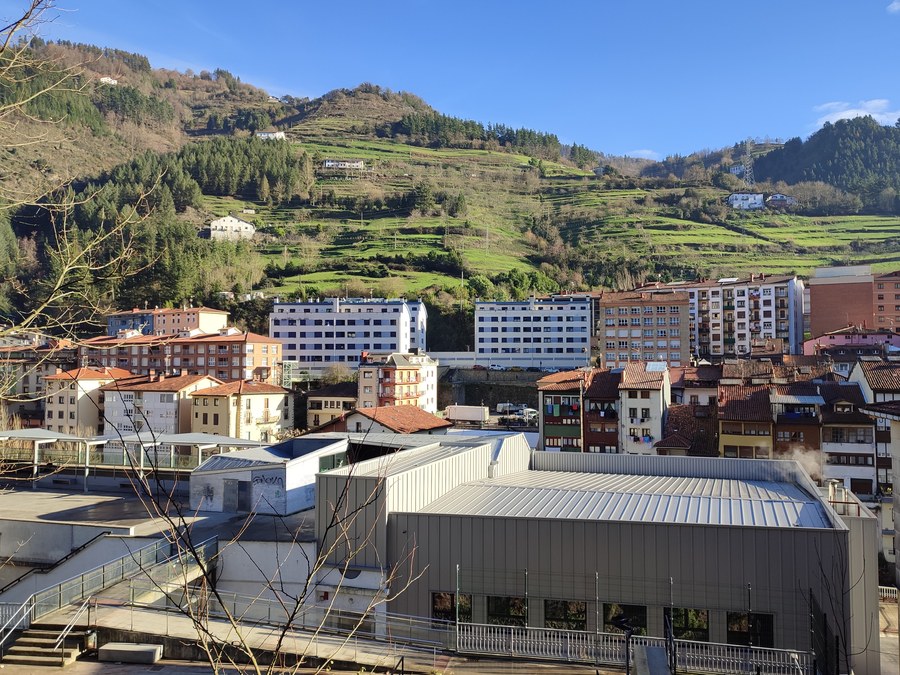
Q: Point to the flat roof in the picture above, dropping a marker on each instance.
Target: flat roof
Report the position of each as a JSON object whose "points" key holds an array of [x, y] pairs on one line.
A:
{"points": [[616, 497]]}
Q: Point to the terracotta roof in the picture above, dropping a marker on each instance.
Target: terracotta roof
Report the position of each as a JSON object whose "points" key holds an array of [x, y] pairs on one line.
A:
{"points": [[111, 341], [604, 385], [167, 310], [403, 419], [101, 373], [145, 383], [217, 337], [744, 403], [881, 375], [339, 390], [746, 369], [794, 373], [636, 376], [565, 381], [243, 387], [646, 294], [684, 377], [693, 428]]}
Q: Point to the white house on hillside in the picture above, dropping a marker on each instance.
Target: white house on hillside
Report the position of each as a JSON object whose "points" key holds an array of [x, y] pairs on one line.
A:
{"points": [[231, 228], [271, 135], [746, 201]]}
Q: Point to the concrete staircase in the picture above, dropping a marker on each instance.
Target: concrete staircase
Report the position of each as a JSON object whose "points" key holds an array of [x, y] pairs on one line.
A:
{"points": [[34, 647]]}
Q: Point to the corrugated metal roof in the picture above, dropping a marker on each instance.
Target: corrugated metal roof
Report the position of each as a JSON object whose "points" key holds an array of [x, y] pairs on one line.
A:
{"points": [[649, 499]]}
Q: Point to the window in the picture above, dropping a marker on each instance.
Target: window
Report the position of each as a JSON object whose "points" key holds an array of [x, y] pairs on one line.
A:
{"points": [[751, 628], [635, 614], [506, 611], [443, 607], [645, 412], [565, 614], [688, 624]]}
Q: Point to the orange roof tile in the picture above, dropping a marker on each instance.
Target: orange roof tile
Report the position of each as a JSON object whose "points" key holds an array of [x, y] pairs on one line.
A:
{"points": [[636, 376], [101, 373], [243, 387], [145, 383], [881, 375], [403, 419]]}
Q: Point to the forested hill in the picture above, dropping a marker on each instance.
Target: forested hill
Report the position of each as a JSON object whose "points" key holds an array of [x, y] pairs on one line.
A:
{"points": [[858, 155]]}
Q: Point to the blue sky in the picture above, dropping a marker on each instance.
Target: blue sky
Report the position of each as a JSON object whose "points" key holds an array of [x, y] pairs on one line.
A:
{"points": [[638, 77]]}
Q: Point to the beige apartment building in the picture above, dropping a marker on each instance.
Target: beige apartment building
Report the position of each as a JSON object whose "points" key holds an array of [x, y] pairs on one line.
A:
{"points": [[398, 379], [227, 354], [73, 401], [647, 325], [255, 411]]}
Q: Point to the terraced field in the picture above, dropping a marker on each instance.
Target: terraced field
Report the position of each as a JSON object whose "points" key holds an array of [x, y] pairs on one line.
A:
{"points": [[505, 196]]}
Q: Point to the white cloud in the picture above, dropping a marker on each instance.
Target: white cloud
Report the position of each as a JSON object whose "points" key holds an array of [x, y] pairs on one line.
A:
{"points": [[894, 7], [878, 108], [648, 154]]}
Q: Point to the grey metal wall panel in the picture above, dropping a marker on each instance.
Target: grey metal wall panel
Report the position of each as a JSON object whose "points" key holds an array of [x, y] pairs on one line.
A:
{"points": [[711, 566]]}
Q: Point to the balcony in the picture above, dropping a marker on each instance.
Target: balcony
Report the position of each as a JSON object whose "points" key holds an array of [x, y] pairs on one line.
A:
{"points": [[847, 447]]}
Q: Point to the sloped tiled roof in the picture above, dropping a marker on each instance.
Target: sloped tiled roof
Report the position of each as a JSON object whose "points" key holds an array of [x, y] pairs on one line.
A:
{"points": [[636, 376], [686, 377], [565, 381], [604, 385], [403, 419], [243, 387], [693, 428], [746, 369], [101, 373], [217, 337], [744, 403], [835, 393], [164, 384], [793, 373], [881, 375]]}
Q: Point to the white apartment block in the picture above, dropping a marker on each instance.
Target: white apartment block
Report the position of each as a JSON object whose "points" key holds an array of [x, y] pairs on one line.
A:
{"points": [[398, 379], [161, 405], [552, 332], [729, 316], [318, 334]]}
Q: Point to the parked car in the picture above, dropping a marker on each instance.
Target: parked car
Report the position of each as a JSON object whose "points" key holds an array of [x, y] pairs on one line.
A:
{"points": [[515, 369], [494, 366], [551, 370], [478, 366]]}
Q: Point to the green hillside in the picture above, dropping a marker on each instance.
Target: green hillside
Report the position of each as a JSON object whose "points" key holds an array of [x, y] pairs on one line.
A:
{"points": [[448, 209]]}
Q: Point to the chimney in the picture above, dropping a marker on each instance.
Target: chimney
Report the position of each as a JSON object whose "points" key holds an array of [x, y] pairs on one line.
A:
{"points": [[152, 373], [832, 489]]}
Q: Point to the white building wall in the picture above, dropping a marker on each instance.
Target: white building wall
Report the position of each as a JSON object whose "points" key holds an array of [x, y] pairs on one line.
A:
{"points": [[317, 335], [540, 332]]}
